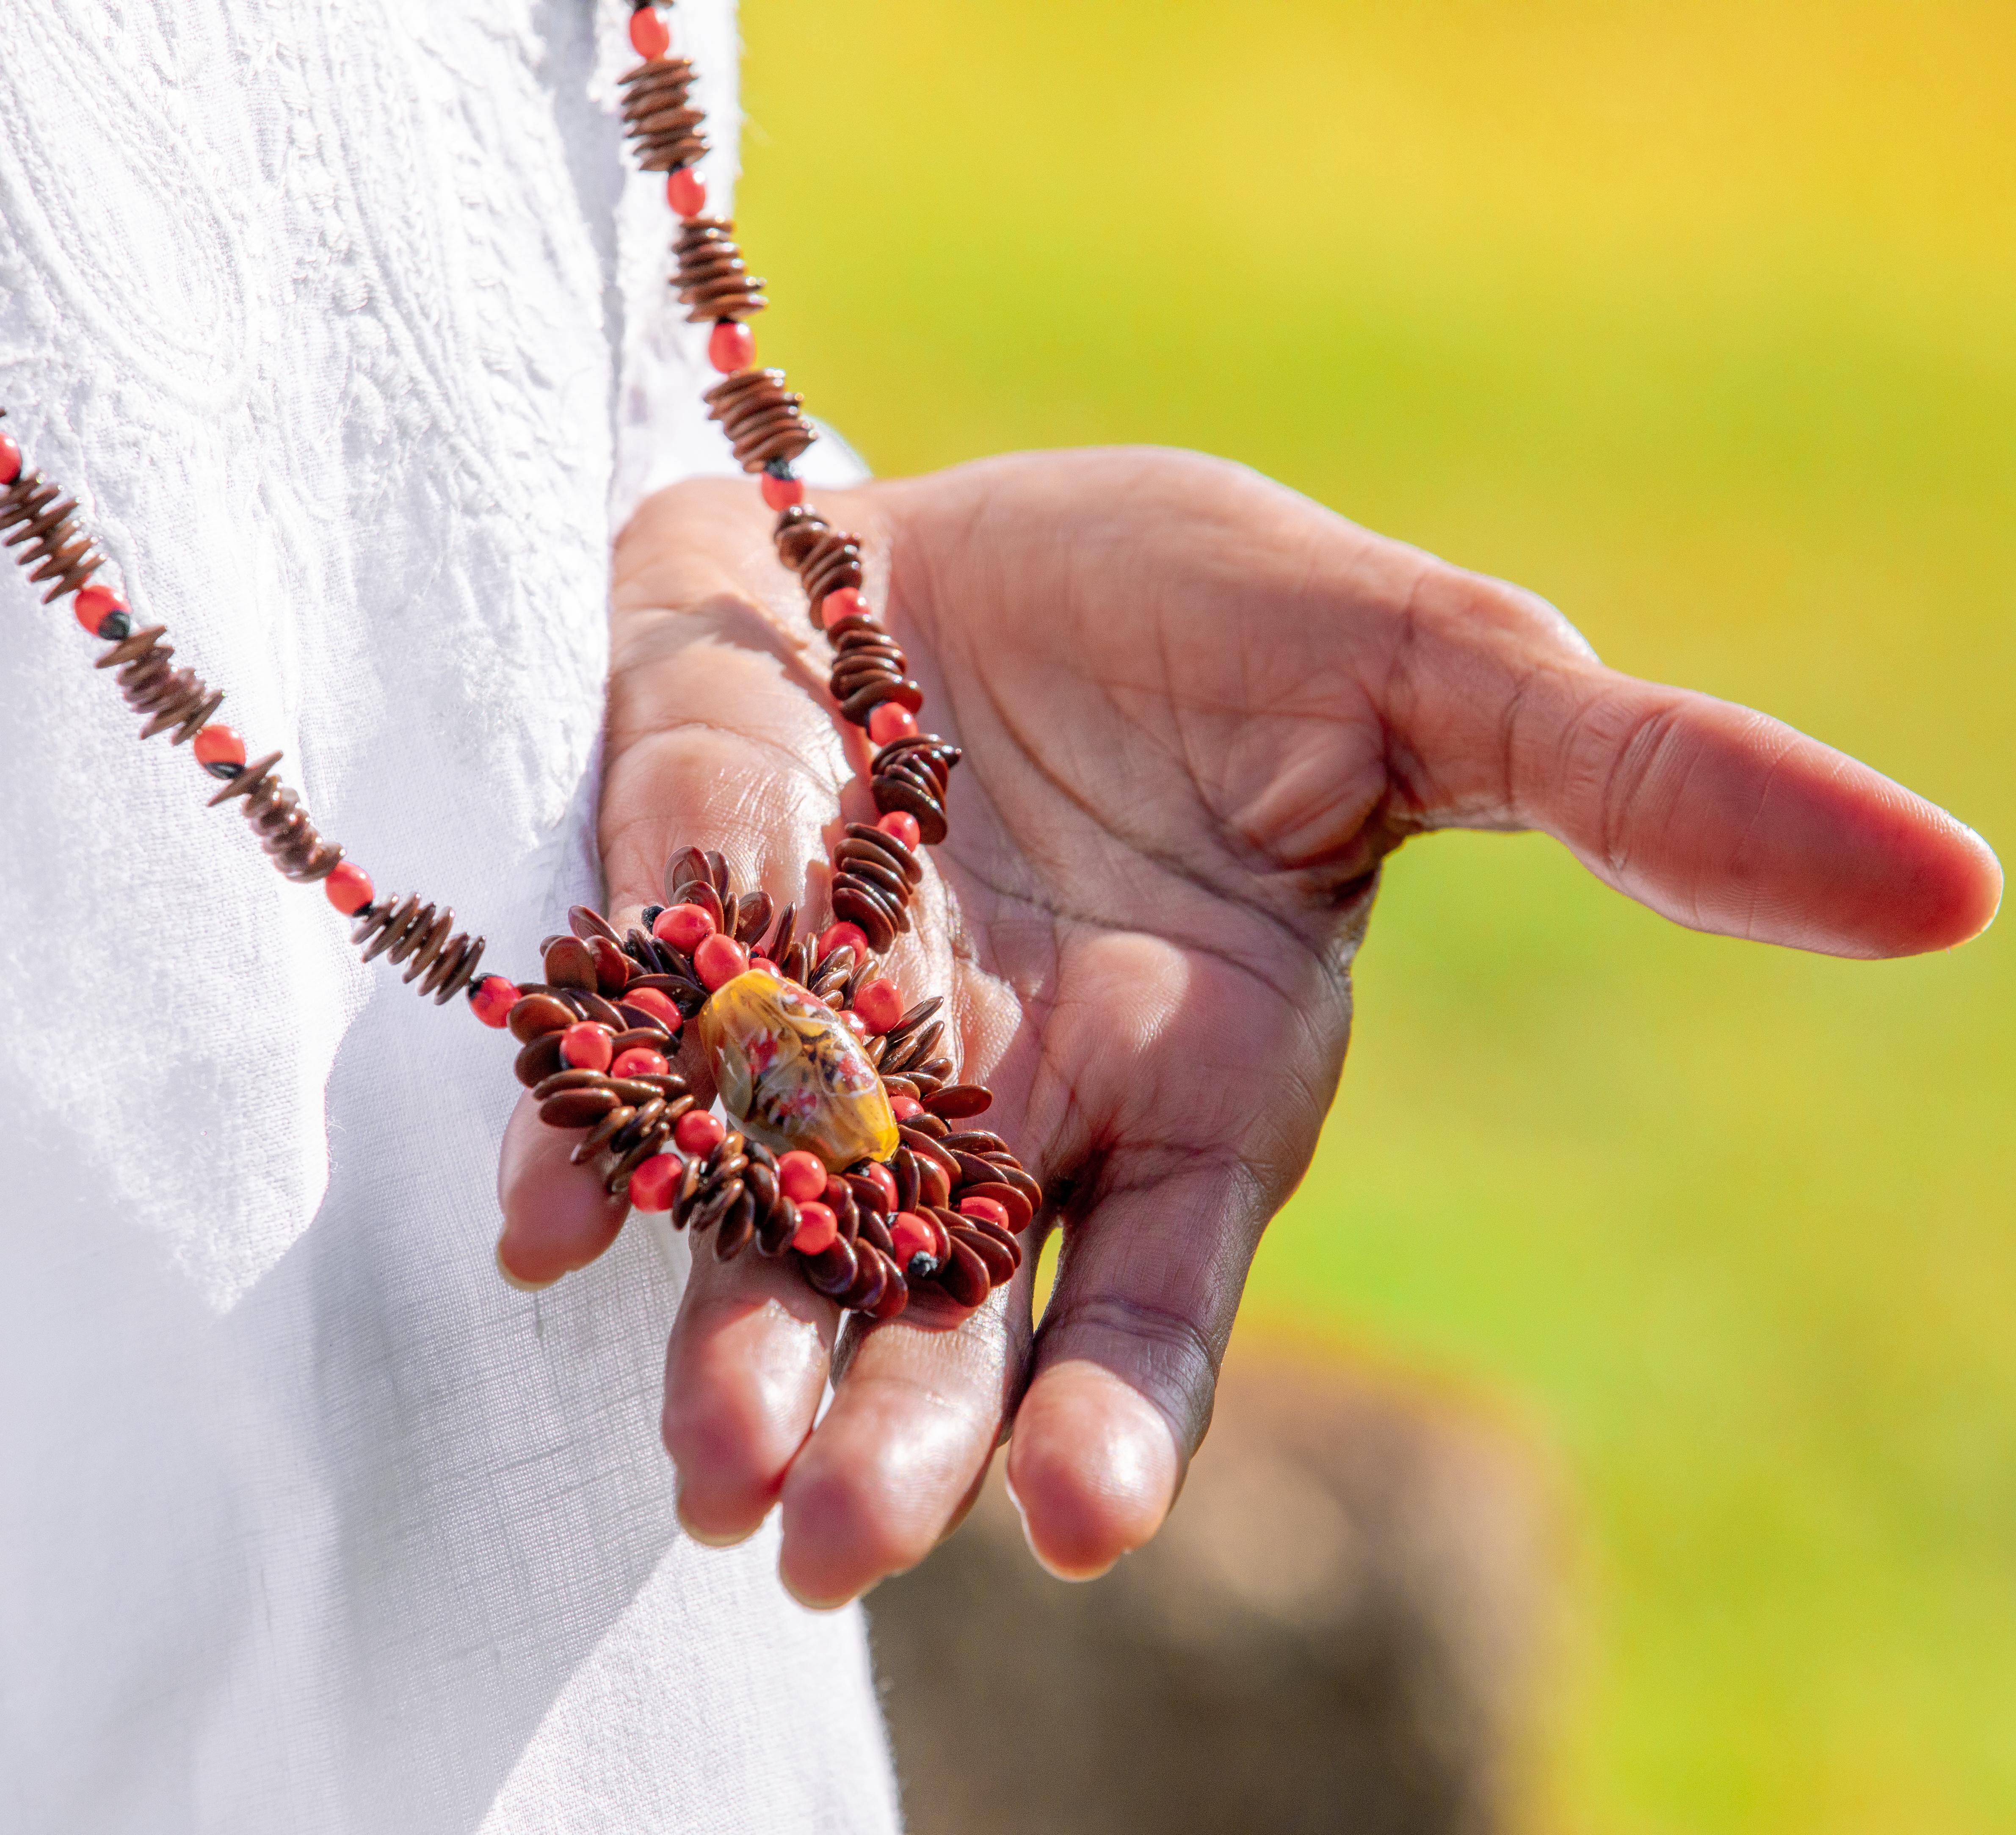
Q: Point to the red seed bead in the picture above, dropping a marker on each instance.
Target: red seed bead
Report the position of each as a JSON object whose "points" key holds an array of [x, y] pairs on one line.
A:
{"points": [[10, 460], [781, 493], [992, 1209], [220, 745], [649, 34], [654, 1183], [349, 888], [658, 1004], [905, 1107], [639, 1061], [890, 721], [96, 604], [685, 927], [493, 999], [801, 1177], [685, 192], [913, 1237], [818, 1229], [843, 935], [842, 602], [719, 960], [699, 1132], [883, 1180], [731, 346], [901, 825], [586, 1047], [880, 1004], [854, 1023], [763, 963]]}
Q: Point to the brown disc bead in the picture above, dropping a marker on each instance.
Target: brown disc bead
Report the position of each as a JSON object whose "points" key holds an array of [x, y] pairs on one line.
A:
{"points": [[536, 1015], [959, 1101], [760, 417], [44, 530], [657, 117], [710, 277], [910, 775]]}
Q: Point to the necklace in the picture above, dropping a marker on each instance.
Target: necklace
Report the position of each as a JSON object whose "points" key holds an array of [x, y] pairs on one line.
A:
{"points": [[848, 1148]]}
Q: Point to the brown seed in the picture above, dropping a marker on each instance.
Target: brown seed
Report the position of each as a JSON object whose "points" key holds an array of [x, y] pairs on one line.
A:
{"points": [[538, 1013], [933, 1184], [539, 1059], [1015, 1202], [832, 1271], [976, 1140], [903, 1169], [598, 1136], [576, 1109], [994, 1233], [593, 1007], [1000, 1265], [928, 1123], [570, 964], [875, 1233], [638, 1126], [714, 1205], [959, 1101], [854, 901], [865, 1194], [752, 916], [775, 1228], [587, 924], [895, 1294], [925, 1147], [613, 971], [685, 866], [576, 1080], [964, 1275], [650, 1036], [736, 1228], [619, 1174], [872, 1272], [1010, 1173]]}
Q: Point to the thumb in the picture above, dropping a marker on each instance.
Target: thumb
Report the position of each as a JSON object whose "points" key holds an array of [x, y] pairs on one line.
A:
{"points": [[1716, 816]]}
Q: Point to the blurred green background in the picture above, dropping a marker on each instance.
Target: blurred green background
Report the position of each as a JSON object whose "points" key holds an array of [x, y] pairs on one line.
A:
{"points": [[1699, 321]]}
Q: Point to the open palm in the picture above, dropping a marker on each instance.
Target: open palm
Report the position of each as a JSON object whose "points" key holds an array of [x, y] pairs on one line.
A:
{"points": [[1196, 710]]}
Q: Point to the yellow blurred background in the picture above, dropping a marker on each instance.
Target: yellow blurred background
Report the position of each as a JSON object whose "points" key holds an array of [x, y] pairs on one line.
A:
{"points": [[1699, 321]]}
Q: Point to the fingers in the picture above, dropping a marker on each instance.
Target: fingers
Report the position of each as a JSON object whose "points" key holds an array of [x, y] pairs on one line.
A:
{"points": [[557, 1217], [1127, 1359], [1716, 816], [744, 1371], [903, 1451]]}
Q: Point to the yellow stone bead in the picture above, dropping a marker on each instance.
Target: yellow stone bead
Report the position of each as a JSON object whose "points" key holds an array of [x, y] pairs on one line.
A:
{"points": [[791, 1073]]}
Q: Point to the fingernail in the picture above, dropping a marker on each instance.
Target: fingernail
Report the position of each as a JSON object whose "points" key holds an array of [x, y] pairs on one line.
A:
{"points": [[511, 1280]]}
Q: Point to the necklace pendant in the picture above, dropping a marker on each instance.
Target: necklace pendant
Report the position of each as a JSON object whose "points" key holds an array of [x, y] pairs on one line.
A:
{"points": [[793, 1075]]}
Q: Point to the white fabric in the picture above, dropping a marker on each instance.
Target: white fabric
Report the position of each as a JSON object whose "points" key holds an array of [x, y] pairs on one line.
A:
{"points": [[346, 320]]}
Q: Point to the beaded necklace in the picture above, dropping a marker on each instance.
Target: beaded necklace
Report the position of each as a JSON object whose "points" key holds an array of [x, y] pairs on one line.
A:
{"points": [[848, 1150]]}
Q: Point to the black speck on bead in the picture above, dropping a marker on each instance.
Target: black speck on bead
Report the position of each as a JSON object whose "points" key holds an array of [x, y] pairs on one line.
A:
{"points": [[651, 914], [115, 627], [922, 1266], [780, 468], [223, 767]]}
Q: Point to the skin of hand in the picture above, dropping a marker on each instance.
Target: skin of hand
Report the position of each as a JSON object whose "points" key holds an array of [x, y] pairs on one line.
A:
{"points": [[1196, 710]]}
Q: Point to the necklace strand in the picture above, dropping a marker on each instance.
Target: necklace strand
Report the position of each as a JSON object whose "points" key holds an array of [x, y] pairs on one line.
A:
{"points": [[868, 1175]]}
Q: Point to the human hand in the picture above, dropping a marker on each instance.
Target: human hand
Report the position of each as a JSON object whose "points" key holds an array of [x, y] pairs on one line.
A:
{"points": [[1196, 710]]}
